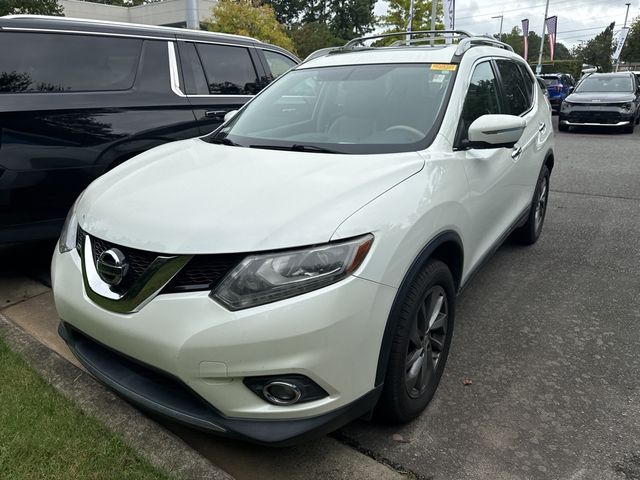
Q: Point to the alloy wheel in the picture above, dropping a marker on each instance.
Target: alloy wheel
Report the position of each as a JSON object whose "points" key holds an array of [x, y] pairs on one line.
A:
{"points": [[541, 204], [426, 341]]}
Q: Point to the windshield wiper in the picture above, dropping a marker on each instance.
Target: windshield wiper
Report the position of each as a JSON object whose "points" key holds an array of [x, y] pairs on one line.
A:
{"points": [[224, 141], [296, 147]]}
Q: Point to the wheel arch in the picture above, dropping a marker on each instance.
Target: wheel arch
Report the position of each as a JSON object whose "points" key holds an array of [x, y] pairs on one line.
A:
{"points": [[549, 160], [447, 247]]}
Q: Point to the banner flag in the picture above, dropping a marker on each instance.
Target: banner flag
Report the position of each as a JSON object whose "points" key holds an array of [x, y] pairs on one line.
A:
{"points": [[525, 37], [447, 8], [552, 30], [619, 40]]}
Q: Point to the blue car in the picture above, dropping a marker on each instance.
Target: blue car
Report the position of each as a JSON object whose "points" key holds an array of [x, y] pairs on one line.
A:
{"points": [[559, 86]]}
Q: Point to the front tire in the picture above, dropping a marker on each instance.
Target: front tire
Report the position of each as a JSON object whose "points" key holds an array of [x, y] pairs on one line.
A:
{"points": [[420, 345], [529, 233]]}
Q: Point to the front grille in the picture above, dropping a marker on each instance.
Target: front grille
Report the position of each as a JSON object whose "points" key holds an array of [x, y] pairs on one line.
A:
{"points": [[594, 117], [202, 272]]}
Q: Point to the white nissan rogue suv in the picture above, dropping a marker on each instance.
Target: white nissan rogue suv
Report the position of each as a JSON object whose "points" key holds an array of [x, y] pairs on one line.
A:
{"points": [[298, 267]]}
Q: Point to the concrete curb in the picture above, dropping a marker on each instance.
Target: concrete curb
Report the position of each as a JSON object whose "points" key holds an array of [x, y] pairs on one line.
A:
{"points": [[156, 444]]}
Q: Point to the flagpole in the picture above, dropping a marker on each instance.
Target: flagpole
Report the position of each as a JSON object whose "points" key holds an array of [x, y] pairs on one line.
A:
{"points": [[433, 19], [544, 27], [626, 17]]}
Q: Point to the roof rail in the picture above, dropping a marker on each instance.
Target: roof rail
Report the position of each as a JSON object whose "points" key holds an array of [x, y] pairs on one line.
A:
{"points": [[466, 43], [433, 33]]}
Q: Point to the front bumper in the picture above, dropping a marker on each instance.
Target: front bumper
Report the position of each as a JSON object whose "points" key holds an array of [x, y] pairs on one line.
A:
{"points": [[596, 116], [203, 351]]}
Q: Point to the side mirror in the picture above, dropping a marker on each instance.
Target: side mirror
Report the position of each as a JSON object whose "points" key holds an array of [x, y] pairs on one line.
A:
{"points": [[496, 131], [571, 90], [229, 115]]}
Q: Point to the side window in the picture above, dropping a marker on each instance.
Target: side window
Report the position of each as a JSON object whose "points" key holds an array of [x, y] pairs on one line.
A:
{"points": [[529, 82], [481, 98], [195, 82], [516, 101], [229, 70], [44, 62], [278, 63]]}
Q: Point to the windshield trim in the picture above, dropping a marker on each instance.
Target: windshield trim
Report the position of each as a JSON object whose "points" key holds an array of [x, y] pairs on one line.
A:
{"points": [[346, 149]]}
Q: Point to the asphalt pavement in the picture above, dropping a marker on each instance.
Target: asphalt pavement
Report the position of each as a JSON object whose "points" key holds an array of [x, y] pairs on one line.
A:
{"points": [[542, 378]]}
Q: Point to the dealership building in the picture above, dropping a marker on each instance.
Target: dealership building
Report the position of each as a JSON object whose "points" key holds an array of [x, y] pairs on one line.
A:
{"points": [[168, 13]]}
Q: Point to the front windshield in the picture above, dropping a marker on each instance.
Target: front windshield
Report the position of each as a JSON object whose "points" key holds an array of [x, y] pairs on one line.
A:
{"points": [[605, 84], [345, 109], [551, 81]]}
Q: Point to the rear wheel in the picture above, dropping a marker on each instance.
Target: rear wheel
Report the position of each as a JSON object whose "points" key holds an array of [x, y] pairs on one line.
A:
{"points": [[529, 233], [420, 345]]}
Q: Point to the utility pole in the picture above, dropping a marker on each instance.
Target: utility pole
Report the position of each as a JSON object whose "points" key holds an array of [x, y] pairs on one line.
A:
{"points": [[193, 22], [501, 17], [433, 19], [544, 28]]}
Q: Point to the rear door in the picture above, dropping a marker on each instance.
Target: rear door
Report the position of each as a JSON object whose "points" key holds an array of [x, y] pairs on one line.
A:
{"points": [[219, 78]]}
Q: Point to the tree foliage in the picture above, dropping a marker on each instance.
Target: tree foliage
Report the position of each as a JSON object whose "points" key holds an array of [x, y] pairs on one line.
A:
{"points": [[244, 17], [631, 50], [396, 19], [598, 50], [32, 7], [515, 40], [313, 36]]}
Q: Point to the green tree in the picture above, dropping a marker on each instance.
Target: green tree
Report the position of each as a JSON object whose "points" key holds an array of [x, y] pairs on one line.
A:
{"points": [[288, 12], [352, 18], [514, 39], [397, 17], [33, 7], [244, 17], [598, 50], [313, 36], [631, 50]]}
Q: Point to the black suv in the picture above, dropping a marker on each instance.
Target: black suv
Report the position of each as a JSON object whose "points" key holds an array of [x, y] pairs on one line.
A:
{"points": [[603, 99], [78, 98]]}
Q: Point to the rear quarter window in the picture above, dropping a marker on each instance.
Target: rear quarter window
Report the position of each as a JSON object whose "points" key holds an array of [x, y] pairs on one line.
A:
{"points": [[46, 62]]}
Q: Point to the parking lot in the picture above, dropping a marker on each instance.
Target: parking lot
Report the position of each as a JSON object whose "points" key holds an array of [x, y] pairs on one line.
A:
{"points": [[542, 378]]}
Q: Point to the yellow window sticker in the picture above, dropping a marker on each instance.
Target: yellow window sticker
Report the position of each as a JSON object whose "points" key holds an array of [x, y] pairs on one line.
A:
{"points": [[444, 66]]}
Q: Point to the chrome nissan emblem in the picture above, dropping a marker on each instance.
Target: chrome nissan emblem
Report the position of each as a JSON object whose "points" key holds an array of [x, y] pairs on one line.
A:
{"points": [[112, 266]]}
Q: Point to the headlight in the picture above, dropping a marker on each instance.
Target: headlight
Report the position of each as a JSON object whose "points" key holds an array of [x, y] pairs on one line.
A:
{"points": [[67, 240], [626, 106], [566, 105], [267, 278]]}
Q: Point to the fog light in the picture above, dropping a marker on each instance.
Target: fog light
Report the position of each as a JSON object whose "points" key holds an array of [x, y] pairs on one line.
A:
{"points": [[287, 389], [281, 393]]}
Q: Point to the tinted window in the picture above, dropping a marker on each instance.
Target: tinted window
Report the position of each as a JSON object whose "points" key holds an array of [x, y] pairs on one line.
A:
{"points": [[529, 81], [43, 62], [195, 82], [278, 63], [481, 98], [517, 100], [608, 83], [229, 70]]}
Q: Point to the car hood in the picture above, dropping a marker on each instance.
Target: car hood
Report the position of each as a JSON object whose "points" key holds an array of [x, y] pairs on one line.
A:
{"points": [[599, 97], [194, 197]]}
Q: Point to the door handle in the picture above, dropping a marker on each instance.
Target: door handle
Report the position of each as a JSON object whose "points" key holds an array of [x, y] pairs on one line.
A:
{"points": [[542, 127], [215, 113], [517, 151]]}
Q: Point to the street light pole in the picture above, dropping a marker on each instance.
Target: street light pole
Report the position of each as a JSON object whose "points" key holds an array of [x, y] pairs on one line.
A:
{"points": [[501, 17], [544, 27]]}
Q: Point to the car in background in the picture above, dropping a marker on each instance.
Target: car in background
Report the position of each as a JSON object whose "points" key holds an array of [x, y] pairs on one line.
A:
{"points": [[559, 86], [603, 99], [79, 97], [637, 74]]}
